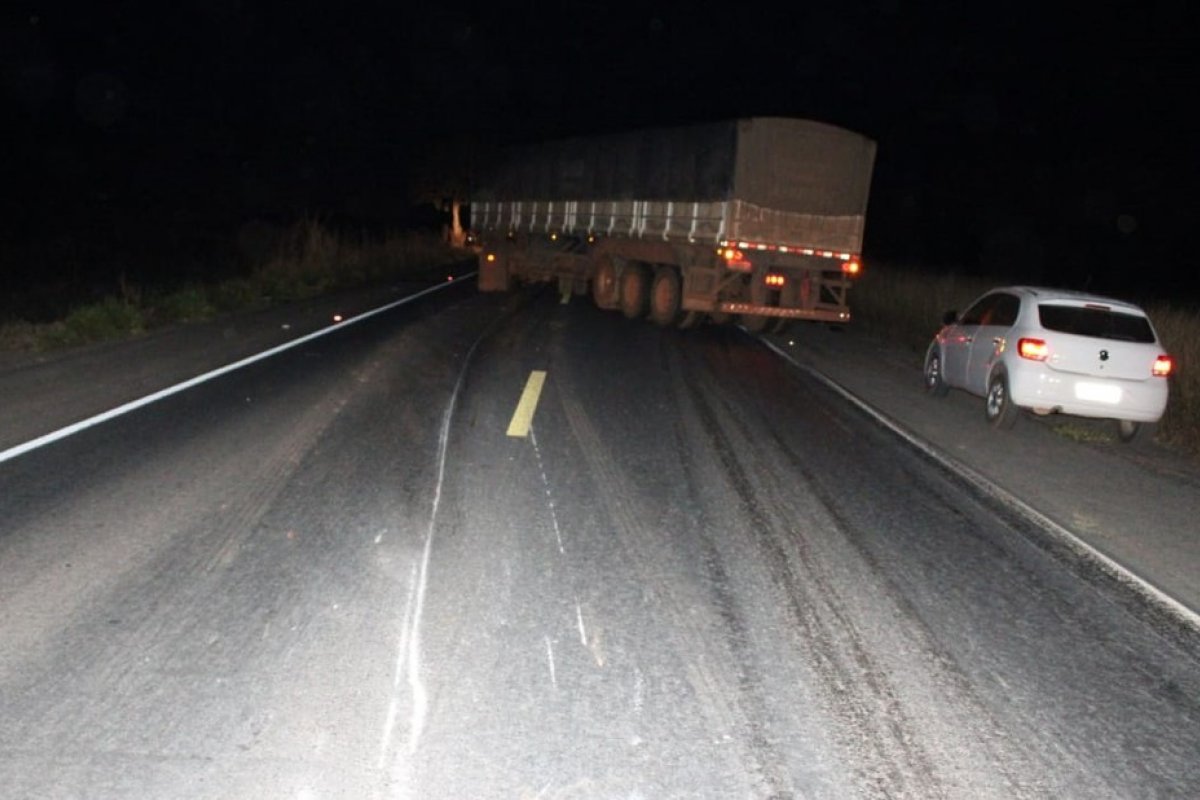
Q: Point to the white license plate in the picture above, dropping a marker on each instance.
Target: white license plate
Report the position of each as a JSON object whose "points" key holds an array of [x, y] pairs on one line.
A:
{"points": [[1098, 393]]}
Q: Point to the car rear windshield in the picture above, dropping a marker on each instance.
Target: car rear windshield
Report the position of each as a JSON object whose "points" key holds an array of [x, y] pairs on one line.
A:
{"points": [[1100, 323]]}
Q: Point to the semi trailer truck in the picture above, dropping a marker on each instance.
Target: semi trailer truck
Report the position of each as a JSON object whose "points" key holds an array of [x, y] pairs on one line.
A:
{"points": [[757, 221]]}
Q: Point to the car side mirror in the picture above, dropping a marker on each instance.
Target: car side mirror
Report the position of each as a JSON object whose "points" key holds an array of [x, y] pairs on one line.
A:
{"points": [[950, 317]]}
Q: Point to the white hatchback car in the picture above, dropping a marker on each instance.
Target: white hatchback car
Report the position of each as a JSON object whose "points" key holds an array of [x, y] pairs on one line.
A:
{"points": [[1052, 351]]}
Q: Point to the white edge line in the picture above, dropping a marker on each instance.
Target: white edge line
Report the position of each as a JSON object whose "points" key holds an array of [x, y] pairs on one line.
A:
{"points": [[1081, 548], [133, 405]]}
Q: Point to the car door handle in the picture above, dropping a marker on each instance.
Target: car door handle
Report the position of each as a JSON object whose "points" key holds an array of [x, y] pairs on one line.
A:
{"points": [[968, 339]]}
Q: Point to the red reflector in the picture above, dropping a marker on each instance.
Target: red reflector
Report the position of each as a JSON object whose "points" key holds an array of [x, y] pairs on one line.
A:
{"points": [[1163, 366], [851, 267], [735, 259], [1034, 349], [775, 281]]}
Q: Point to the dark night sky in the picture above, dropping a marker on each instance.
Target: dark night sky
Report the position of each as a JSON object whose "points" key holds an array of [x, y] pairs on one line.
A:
{"points": [[1033, 140]]}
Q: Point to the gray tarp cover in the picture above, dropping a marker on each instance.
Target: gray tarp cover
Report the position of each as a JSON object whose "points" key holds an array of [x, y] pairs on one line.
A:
{"points": [[790, 165]]}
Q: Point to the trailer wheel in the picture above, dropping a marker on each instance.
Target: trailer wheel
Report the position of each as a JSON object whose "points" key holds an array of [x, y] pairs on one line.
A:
{"points": [[605, 287], [635, 291], [665, 297]]}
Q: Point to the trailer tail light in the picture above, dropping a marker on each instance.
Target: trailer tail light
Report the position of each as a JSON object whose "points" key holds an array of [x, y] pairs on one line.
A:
{"points": [[1163, 366], [735, 259], [1033, 349], [775, 280], [490, 257], [852, 266]]}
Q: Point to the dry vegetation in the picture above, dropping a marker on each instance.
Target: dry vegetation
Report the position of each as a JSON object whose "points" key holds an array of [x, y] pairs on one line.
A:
{"points": [[307, 260], [907, 306]]}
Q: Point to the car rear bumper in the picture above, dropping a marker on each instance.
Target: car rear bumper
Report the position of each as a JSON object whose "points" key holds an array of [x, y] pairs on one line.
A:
{"points": [[1084, 396]]}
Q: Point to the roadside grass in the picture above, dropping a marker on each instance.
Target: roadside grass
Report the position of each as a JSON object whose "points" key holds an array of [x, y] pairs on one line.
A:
{"points": [[1179, 330], [191, 303], [906, 306], [308, 260], [110, 318], [18, 335], [1081, 431]]}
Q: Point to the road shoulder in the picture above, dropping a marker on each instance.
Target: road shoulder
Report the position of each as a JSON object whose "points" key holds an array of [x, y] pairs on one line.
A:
{"points": [[1135, 505]]}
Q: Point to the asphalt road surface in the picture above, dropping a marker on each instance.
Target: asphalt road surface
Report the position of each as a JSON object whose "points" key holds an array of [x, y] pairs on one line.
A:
{"points": [[700, 574]]}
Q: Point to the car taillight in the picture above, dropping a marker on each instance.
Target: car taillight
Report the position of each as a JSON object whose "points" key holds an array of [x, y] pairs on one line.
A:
{"points": [[1033, 349], [1162, 366], [775, 280]]}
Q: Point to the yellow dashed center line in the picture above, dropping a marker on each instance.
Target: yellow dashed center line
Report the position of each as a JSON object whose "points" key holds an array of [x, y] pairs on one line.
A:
{"points": [[522, 418]]}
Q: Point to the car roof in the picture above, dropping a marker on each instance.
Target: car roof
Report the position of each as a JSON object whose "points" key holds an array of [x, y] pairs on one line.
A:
{"points": [[1050, 293]]}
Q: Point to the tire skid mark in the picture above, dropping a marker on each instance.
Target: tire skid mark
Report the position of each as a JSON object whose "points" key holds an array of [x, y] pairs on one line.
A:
{"points": [[750, 678], [854, 684], [721, 703], [415, 688], [411, 656], [1009, 759], [1014, 759]]}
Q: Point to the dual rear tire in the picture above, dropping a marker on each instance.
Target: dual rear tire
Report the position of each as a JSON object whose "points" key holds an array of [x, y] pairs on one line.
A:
{"points": [[666, 297], [657, 294], [635, 291], [606, 289]]}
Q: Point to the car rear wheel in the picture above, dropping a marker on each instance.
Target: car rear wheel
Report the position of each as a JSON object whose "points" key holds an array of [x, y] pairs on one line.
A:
{"points": [[1128, 430], [935, 384], [998, 406]]}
